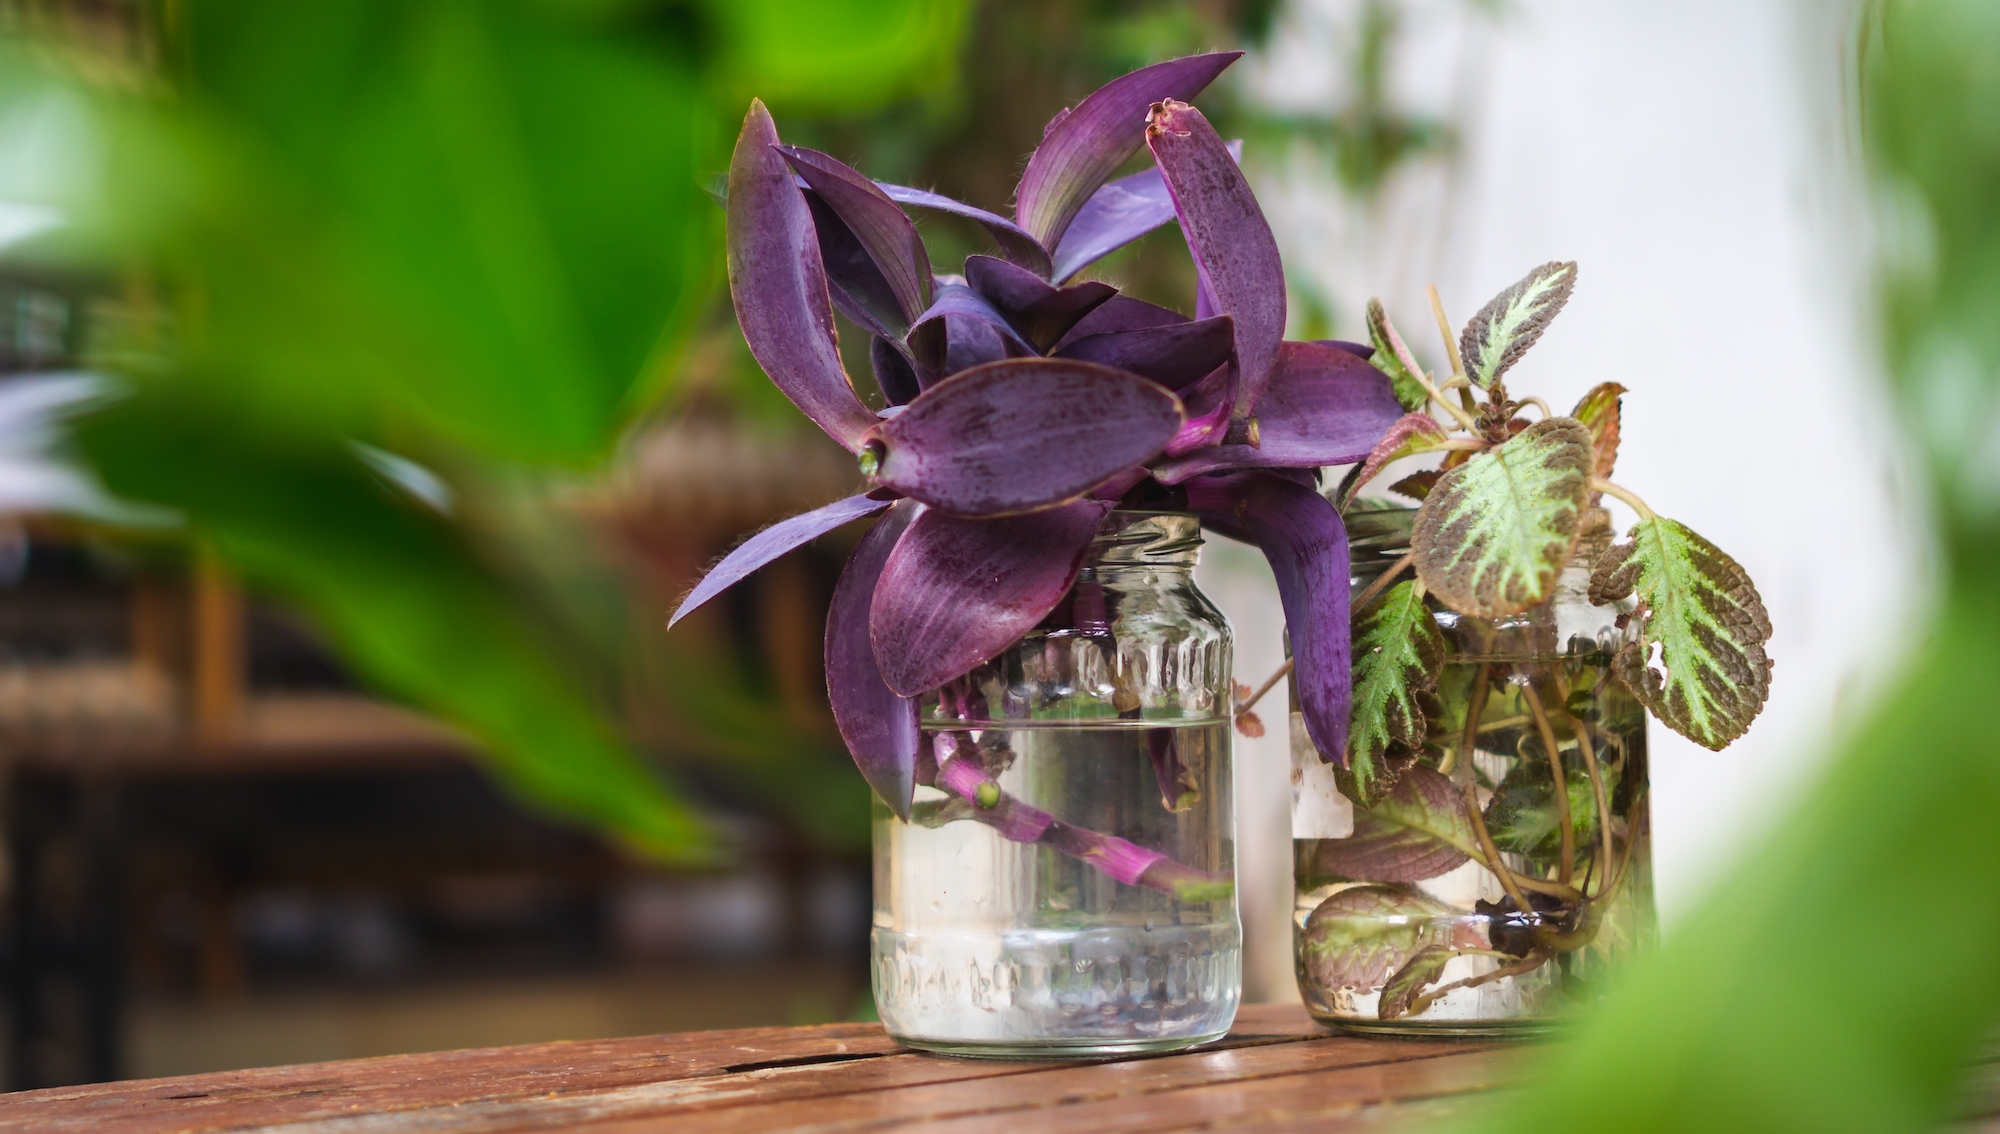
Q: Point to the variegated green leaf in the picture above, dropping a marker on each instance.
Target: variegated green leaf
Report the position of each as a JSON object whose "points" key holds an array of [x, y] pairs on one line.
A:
{"points": [[1702, 614], [1523, 816], [1417, 974], [1418, 831], [1497, 337], [1598, 411], [1360, 935], [1397, 652], [1493, 534], [1409, 391], [1417, 485], [1412, 434]]}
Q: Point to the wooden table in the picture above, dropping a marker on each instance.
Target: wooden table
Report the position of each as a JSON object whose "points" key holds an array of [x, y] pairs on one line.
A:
{"points": [[1275, 1071]]}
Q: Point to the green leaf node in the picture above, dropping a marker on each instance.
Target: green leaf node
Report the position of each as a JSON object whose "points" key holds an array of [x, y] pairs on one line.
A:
{"points": [[1698, 662], [1504, 329], [1397, 653], [1493, 534]]}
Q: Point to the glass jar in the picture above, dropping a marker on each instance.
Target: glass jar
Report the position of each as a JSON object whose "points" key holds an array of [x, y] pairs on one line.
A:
{"points": [[1066, 882], [1401, 924]]}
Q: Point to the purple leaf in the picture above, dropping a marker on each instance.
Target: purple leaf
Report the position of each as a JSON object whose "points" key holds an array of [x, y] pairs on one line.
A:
{"points": [[1039, 311], [1323, 406], [1362, 351], [893, 372], [878, 223], [955, 592], [1015, 243], [776, 540], [1175, 356], [1117, 214], [1235, 255], [959, 302], [1022, 434], [971, 342], [1301, 535], [859, 289], [1084, 146], [1121, 313], [879, 727], [1207, 403], [778, 283]]}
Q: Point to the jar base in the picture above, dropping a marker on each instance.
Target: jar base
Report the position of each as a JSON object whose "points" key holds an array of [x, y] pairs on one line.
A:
{"points": [[1055, 1049]]}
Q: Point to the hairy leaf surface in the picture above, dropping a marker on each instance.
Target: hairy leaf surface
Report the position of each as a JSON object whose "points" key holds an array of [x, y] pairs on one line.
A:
{"points": [[1357, 937], [1418, 831], [1599, 413], [1397, 652], [1504, 329], [1495, 531], [1703, 615], [1409, 391]]}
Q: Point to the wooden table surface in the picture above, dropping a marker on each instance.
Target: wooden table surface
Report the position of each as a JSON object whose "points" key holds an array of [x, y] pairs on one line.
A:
{"points": [[1277, 1070]]}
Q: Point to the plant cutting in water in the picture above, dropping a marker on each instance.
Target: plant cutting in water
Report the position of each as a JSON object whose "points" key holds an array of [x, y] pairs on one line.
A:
{"points": [[1529, 766], [1022, 408]]}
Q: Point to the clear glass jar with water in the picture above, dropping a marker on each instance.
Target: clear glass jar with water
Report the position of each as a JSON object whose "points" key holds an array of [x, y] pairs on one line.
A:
{"points": [[1066, 882]]}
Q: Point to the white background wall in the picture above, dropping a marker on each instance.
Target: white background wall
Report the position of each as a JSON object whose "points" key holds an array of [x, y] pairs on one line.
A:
{"points": [[1692, 157]]}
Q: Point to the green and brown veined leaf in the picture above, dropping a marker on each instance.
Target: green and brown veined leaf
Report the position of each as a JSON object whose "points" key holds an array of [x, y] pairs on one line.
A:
{"points": [[1503, 330], [1419, 830], [1409, 391], [1397, 652], [1494, 532], [1417, 485], [1411, 435], [1599, 412], [1523, 817], [1418, 973], [1699, 663], [1360, 935]]}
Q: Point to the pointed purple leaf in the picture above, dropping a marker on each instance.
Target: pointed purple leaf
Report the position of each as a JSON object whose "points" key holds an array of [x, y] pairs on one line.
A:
{"points": [[879, 727], [1301, 535], [970, 343], [1014, 241], [878, 223], [1207, 404], [1362, 351], [778, 283], [776, 540], [956, 592], [1117, 214], [893, 372], [1323, 406], [1175, 356], [858, 288], [955, 303], [1022, 434], [1083, 147], [1235, 255], [1121, 313], [1041, 312]]}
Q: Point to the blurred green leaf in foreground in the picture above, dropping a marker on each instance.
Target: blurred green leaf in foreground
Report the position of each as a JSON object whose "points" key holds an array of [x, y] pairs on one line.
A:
{"points": [[467, 234], [1843, 976]]}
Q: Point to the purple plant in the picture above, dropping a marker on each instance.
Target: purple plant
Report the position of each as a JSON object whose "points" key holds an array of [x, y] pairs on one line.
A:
{"points": [[1024, 408]]}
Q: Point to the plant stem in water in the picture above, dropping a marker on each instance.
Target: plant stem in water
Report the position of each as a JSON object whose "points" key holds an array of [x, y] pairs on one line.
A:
{"points": [[1525, 965], [1472, 712], [1368, 594], [1589, 751], [1568, 826], [1493, 862]]}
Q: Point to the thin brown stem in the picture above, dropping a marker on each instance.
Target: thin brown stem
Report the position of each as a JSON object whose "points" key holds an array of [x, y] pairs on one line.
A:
{"points": [[1522, 967], [1538, 404], [1599, 484], [1589, 751], [1493, 861], [1403, 355], [1566, 823], [1634, 829], [1250, 702], [1388, 576], [1444, 330], [1472, 711]]}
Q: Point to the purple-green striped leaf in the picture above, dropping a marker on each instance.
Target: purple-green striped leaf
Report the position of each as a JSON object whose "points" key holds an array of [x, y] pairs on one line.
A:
{"points": [[778, 283], [1302, 537], [1117, 214], [1022, 434], [1041, 312], [1085, 145], [880, 728], [776, 540], [1175, 356], [1014, 241], [878, 223], [1235, 255], [956, 591], [1323, 406]]}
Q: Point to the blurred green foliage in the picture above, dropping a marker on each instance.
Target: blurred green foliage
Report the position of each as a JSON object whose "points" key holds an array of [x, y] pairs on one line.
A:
{"points": [[1843, 976]]}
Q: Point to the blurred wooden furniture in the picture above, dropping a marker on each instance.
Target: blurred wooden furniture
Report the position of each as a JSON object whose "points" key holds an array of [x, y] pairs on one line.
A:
{"points": [[1276, 1071]]}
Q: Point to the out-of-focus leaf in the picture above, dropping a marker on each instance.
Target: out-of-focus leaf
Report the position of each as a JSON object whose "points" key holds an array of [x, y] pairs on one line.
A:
{"points": [[1409, 391], [778, 539], [880, 728], [1360, 935], [1042, 312], [1175, 356], [1494, 533], [1085, 145], [1417, 485], [956, 592], [878, 223], [1014, 241], [1700, 610], [1323, 406], [1022, 434], [1117, 214], [836, 54], [1523, 817], [1409, 982], [1598, 411], [407, 602], [1235, 255], [1418, 831], [1397, 652], [1412, 434], [1504, 329]]}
